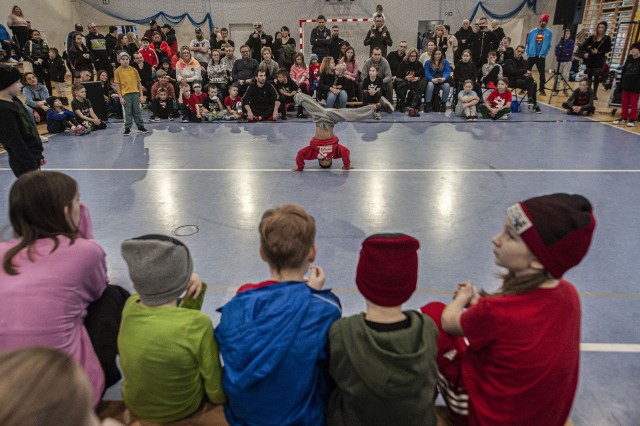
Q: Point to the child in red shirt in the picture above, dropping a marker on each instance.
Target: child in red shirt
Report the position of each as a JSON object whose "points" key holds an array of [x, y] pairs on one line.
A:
{"points": [[233, 103], [498, 104], [148, 54], [191, 103], [520, 365], [325, 146], [314, 72]]}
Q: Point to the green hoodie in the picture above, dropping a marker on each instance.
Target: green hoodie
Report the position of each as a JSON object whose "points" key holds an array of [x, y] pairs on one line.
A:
{"points": [[383, 378]]}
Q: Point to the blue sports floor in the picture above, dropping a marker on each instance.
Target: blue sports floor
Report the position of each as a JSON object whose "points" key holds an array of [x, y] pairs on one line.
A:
{"points": [[445, 181]]}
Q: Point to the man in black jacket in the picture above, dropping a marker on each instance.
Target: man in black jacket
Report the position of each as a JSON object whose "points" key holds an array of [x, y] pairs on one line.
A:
{"points": [[97, 45], [463, 35], [320, 39], [482, 42], [378, 36], [261, 100], [257, 40], [515, 69], [336, 43]]}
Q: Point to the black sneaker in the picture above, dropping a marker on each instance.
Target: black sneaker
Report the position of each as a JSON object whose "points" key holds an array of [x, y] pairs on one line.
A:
{"points": [[127, 132], [154, 119], [171, 118], [283, 117], [537, 109], [543, 93], [142, 130]]}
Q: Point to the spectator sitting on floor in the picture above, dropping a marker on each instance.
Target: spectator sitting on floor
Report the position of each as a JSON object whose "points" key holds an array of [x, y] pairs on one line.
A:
{"points": [[162, 106], [35, 94], [212, 108], [233, 104], [60, 119], [467, 101], [498, 103], [287, 88], [581, 101], [83, 109], [189, 103], [261, 100], [163, 82]]}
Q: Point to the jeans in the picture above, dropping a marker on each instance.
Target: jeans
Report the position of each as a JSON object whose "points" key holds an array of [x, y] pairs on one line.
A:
{"points": [[437, 86], [341, 97]]}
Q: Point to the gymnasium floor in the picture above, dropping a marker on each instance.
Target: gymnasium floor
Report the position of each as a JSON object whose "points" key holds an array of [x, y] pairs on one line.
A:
{"points": [[445, 181]]}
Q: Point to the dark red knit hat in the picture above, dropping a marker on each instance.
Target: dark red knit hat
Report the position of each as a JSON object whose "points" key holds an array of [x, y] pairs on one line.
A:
{"points": [[557, 229], [544, 18], [388, 268]]}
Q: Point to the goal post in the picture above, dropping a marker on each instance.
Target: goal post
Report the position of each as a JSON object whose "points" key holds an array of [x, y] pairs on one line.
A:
{"points": [[353, 30]]}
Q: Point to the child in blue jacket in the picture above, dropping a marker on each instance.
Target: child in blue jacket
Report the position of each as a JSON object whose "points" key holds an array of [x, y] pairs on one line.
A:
{"points": [[60, 119]]}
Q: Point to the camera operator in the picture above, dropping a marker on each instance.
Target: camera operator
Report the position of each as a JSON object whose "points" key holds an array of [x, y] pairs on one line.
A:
{"points": [[257, 40], [482, 42]]}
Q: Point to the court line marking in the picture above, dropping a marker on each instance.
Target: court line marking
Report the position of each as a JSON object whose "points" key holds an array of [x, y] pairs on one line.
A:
{"points": [[79, 169], [610, 347]]}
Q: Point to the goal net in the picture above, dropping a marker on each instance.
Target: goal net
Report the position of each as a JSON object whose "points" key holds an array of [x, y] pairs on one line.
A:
{"points": [[351, 29]]}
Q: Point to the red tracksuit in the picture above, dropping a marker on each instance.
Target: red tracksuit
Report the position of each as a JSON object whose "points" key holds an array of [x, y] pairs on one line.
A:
{"points": [[329, 147], [149, 56]]}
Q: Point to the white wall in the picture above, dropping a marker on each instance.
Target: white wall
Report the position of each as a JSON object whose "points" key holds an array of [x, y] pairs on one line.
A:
{"points": [[59, 16]]}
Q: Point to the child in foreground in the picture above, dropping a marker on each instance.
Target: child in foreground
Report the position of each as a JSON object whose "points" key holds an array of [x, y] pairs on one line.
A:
{"points": [[325, 146], [467, 101], [521, 363], [384, 361], [273, 335], [498, 103], [167, 353]]}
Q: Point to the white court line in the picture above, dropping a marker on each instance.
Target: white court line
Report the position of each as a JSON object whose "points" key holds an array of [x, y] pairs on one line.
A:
{"points": [[609, 347], [74, 169]]}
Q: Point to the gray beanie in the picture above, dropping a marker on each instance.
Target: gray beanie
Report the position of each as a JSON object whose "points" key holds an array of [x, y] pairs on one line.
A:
{"points": [[159, 266]]}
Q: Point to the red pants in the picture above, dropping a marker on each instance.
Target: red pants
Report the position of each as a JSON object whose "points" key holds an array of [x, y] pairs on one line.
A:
{"points": [[630, 105], [311, 153]]}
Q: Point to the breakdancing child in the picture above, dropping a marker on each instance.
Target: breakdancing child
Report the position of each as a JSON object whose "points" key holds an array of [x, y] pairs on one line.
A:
{"points": [[325, 146]]}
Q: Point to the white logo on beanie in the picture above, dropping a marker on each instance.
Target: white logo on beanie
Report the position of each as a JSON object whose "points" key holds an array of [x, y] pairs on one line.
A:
{"points": [[518, 218]]}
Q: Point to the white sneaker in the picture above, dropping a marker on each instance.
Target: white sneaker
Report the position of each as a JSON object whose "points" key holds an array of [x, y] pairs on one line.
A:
{"points": [[619, 121], [11, 61], [387, 105], [631, 124], [44, 139], [505, 117]]}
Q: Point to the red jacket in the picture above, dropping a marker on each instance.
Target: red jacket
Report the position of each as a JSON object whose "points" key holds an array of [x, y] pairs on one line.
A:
{"points": [[164, 47], [149, 56], [324, 148]]}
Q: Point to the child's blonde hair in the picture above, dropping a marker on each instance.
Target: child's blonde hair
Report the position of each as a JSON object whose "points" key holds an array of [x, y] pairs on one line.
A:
{"points": [[287, 235], [340, 70]]}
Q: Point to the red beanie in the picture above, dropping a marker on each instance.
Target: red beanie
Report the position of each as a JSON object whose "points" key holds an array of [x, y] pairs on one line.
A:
{"points": [[388, 268], [557, 229], [544, 18]]}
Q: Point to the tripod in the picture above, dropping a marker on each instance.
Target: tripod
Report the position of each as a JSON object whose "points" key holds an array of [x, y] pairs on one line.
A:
{"points": [[556, 73]]}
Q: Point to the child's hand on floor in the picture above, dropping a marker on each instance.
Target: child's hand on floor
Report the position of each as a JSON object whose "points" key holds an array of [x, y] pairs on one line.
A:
{"points": [[316, 278], [194, 287]]}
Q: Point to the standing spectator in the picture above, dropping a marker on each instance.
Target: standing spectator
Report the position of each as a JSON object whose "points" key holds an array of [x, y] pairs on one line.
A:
{"points": [[224, 39], [78, 28], [463, 35], [257, 40], [320, 39], [630, 84], [36, 51], [79, 57], [97, 45], [497, 30], [538, 46], [351, 71], [18, 24], [452, 41], [57, 73], [244, 70], [200, 48], [483, 42], [129, 88], [336, 43], [8, 45], [594, 51], [133, 45], [171, 40], [261, 100], [440, 40], [378, 36], [18, 133], [564, 55], [112, 38], [188, 69], [284, 49], [153, 27]]}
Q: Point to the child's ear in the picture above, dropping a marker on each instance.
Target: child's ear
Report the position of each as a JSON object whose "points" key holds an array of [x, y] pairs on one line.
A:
{"points": [[312, 254], [262, 256]]}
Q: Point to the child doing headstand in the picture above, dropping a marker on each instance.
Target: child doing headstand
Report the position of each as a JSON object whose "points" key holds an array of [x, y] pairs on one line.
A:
{"points": [[521, 363], [325, 146]]}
